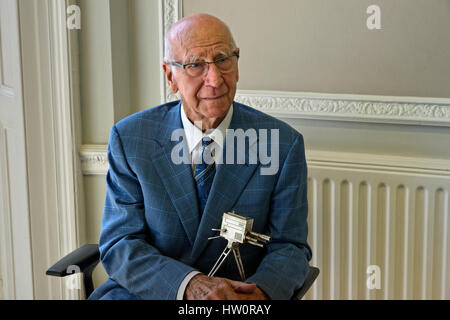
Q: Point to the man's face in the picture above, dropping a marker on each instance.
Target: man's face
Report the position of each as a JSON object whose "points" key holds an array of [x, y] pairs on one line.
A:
{"points": [[207, 97]]}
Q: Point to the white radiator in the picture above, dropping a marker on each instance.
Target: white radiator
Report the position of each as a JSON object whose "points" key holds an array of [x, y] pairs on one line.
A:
{"points": [[366, 210], [390, 212]]}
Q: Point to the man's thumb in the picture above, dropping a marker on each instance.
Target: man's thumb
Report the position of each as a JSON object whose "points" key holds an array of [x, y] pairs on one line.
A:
{"points": [[242, 287]]}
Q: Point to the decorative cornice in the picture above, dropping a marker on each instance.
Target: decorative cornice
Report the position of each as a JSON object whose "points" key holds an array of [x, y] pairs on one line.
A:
{"points": [[344, 107], [94, 160], [171, 12]]}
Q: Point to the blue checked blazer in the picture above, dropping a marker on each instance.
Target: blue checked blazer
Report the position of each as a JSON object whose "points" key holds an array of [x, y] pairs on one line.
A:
{"points": [[152, 232]]}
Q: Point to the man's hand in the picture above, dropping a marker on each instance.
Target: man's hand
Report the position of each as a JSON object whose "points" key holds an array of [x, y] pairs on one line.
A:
{"points": [[202, 287]]}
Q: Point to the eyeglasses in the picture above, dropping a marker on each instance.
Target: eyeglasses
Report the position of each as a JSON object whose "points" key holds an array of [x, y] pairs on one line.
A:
{"points": [[197, 69]]}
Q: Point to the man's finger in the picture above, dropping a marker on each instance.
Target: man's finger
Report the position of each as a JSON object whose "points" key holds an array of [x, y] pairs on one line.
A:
{"points": [[243, 287]]}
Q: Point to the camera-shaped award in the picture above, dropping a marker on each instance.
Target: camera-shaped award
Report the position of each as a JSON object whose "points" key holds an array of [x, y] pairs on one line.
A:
{"points": [[237, 229]]}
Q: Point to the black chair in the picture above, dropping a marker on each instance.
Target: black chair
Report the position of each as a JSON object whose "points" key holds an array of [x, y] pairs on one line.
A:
{"points": [[85, 259], [82, 260]]}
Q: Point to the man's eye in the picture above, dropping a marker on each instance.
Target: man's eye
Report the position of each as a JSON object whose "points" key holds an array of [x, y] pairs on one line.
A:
{"points": [[195, 65], [221, 59]]}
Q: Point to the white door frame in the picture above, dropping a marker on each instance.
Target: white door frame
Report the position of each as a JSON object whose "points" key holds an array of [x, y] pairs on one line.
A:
{"points": [[51, 113], [15, 242]]}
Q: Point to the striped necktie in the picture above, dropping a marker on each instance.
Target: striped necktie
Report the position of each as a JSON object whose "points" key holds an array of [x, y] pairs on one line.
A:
{"points": [[204, 175]]}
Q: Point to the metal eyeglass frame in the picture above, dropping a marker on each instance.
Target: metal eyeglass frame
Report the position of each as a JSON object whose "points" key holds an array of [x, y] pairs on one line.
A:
{"points": [[184, 66]]}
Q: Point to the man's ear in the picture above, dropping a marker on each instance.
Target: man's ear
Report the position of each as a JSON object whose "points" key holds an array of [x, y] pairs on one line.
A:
{"points": [[170, 77]]}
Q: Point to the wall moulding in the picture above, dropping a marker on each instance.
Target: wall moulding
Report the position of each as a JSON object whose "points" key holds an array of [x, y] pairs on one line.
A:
{"points": [[323, 106], [94, 161], [345, 107]]}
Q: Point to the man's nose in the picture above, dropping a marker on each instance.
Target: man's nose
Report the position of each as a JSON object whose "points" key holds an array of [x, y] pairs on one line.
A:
{"points": [[214, 76]]}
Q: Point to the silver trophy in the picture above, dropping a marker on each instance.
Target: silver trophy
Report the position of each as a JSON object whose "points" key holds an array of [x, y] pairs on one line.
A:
{"points": [[237, 229]]}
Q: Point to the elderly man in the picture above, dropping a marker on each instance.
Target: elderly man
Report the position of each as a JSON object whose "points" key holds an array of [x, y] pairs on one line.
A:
{"points": [[159, 212]]}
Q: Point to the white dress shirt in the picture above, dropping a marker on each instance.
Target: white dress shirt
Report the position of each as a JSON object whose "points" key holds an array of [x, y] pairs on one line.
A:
{"points": [[194, 137]]}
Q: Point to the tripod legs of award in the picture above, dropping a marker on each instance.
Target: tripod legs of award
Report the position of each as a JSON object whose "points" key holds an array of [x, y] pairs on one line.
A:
{"points": [[231, 247]]}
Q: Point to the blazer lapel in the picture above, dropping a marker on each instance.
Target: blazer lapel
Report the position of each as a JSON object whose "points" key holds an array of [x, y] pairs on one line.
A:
{"points": [[178, 178], [229, 182]]}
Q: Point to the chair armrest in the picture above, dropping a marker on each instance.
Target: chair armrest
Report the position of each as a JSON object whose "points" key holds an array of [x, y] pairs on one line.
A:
{"points": [[310, 278], [83, 259]]}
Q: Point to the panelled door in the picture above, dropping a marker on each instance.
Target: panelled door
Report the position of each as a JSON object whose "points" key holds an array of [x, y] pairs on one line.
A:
{"points": [[15, 246]]}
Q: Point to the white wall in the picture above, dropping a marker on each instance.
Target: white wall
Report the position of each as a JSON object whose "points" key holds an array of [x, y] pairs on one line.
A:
{"points": [[290, 47], [325, 46], [120, 72]]}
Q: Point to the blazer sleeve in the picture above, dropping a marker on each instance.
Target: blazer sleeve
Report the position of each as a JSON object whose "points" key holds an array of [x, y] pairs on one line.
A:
{"points": [[284, 268], [125, 252]]}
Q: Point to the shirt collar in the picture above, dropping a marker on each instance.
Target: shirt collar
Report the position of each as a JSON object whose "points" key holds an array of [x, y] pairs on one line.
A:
{"points": [[194, 135]]}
